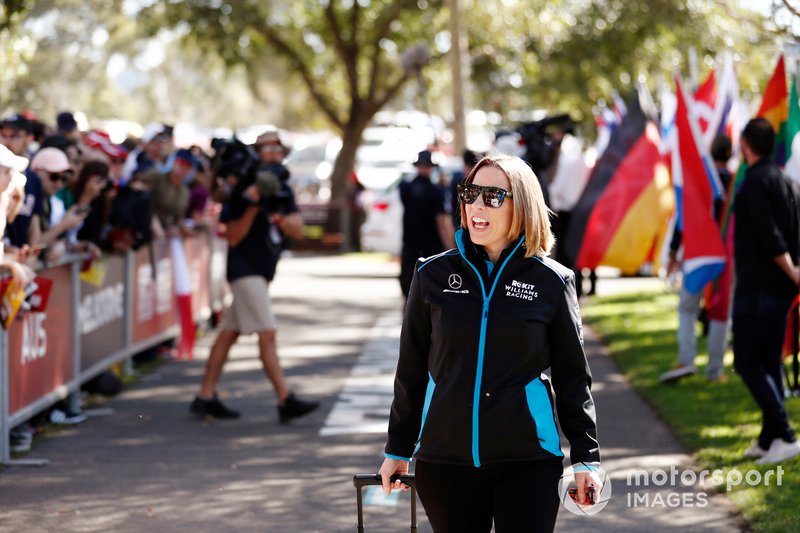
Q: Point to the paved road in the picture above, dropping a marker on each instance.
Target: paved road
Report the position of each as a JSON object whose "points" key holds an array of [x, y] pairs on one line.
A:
{"points": [[151, 467]]}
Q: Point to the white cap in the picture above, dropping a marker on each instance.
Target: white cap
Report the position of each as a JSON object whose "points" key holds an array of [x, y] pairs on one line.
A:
{"points": [[152, 130], [50, 160], [9, 160]]}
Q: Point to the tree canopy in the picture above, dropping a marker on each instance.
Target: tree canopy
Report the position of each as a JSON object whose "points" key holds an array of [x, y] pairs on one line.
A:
{"points": [[309, 63]]}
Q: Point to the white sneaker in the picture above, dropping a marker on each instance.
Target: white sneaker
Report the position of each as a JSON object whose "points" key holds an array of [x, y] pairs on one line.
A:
{"points": [[754, 451], [779, 451], [674, 375], [62, 418]]}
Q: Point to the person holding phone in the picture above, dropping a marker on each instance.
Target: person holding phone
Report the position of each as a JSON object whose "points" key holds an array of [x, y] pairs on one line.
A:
{"points": [[472, 402], [91, 201]]}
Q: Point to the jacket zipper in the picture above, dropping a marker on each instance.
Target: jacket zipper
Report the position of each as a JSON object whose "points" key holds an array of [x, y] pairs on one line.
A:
{"points": [[476, 398]]}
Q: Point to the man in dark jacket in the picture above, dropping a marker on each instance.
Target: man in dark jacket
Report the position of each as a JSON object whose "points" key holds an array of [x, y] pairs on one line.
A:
{"points": [[427, 229], [767, 277]]}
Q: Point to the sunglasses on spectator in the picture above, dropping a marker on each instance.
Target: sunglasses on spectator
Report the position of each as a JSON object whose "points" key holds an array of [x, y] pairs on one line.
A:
{"points": [[492, 196], [271, 148], [60, 176]]}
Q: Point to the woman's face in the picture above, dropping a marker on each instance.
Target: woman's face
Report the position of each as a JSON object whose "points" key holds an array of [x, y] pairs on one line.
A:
{"points": [[14, 199], [271, 153], [95, 185], [489, 226]]}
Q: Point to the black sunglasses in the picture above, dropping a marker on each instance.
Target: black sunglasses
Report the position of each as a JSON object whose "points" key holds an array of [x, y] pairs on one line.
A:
{"points": [[492, 196], [60, 176]]}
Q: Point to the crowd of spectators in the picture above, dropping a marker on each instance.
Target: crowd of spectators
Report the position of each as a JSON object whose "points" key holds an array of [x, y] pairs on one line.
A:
{"points": [[66, 192]]}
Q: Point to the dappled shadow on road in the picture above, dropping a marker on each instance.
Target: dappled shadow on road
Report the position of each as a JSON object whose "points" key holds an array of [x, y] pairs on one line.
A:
{"points": [[632, 439], [153, 467]]}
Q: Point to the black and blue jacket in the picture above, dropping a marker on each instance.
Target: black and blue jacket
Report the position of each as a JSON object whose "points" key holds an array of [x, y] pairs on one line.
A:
{"points": [[476, 339]]}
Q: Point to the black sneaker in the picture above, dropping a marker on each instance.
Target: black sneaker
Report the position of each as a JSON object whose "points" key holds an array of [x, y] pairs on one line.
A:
{"points": [[294, 408], [213, 408]]}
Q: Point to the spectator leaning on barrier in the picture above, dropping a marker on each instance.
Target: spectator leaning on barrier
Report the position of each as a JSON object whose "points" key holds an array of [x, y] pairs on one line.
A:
{"points": [[89, 192], [53, 167], [74, 155], [259, 211], [170, 192], [766, 236], [22, 232]]}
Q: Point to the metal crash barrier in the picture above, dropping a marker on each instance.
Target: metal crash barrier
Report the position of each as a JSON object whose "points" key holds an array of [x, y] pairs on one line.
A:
{"points": [[89, 326]]}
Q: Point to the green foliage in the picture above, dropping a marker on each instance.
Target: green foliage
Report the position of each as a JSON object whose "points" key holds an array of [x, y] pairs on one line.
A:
{"points": [[565, 56], [346, 53], [59, 62], [714, 421], [10, 13], [311, 62]]}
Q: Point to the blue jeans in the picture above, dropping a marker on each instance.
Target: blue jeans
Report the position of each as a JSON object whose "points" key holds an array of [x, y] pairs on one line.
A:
{"points": [[759, 326]]}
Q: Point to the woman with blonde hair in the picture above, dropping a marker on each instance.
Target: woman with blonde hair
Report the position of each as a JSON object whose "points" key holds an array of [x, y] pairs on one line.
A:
{"points": [[472, 403]]}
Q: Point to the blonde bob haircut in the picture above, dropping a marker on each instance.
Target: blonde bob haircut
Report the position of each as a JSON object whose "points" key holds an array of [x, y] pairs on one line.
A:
{"points": [[530, 214]]}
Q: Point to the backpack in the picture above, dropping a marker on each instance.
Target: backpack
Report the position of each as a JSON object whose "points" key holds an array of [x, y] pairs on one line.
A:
{"points": [[131, 214]]}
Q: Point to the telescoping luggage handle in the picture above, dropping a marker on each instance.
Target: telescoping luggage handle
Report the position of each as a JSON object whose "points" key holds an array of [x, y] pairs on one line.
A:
{"points": [[362, 480]]}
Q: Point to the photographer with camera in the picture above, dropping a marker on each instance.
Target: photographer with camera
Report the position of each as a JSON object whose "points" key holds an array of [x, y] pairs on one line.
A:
{"points": [[259, 213]]}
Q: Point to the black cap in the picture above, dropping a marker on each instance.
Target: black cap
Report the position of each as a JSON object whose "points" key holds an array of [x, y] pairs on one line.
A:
{"points": [[66, 121], [424, 159], [17, 122]]}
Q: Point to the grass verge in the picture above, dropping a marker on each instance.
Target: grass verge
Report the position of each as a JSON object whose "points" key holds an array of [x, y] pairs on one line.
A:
{"points": [[714, 421]]}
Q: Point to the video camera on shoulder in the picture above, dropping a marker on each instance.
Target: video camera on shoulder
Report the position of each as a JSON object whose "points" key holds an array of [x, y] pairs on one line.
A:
{"points": [[539, 141], [233, 157], [542, 130]]}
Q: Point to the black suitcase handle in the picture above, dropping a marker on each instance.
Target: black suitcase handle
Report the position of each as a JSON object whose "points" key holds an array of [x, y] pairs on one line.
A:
{"points": [[362, 480]]}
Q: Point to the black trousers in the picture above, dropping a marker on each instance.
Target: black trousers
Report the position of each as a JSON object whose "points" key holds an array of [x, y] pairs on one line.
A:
{"points": [[518, 496], [759, 326], [408, 259]]}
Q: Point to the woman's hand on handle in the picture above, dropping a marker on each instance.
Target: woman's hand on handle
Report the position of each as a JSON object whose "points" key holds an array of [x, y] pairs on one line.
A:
{"points": [[388, 469], [584, 480]]}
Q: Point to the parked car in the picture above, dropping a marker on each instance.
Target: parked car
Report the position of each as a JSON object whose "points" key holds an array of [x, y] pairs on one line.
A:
{"points": [[385, 153], [382, 230], [311, 167]]}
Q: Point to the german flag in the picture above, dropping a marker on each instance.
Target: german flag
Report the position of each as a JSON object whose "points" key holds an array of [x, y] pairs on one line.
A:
{"points": [[626, 205]]}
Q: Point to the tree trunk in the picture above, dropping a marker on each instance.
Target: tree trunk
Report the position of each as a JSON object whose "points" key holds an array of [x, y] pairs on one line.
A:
{"points": [[341, 186]]}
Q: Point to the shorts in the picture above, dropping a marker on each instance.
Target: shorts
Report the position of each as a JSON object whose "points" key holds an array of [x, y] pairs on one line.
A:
{"points": [[251, 310]]}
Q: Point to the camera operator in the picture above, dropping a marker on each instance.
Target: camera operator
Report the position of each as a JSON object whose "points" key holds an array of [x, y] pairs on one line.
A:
{"points": [[542, 146], [259, 213]]}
